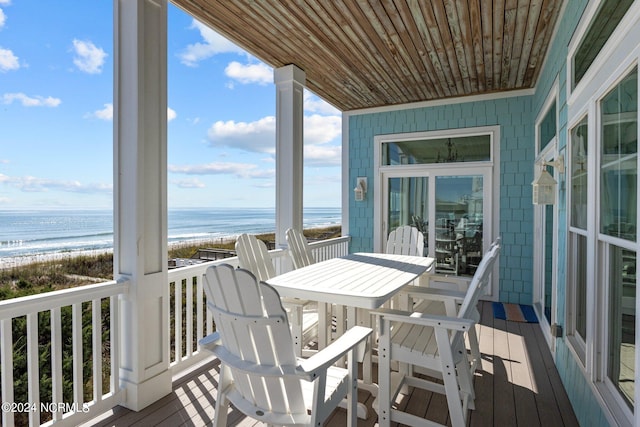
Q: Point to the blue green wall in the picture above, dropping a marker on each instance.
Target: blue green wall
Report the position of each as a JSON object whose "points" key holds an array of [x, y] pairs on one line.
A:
{"points": [[514, 116]]}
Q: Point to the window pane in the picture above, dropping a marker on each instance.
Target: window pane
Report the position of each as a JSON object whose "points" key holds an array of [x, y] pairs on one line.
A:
{"points": [[622, 321], [618, 175], [442, 150], [579, 174], [547, 129], [580, 284], [600, 29], [409, 204], [459, 217]]}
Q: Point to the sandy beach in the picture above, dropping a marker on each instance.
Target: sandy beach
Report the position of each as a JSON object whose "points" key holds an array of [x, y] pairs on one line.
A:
{"points": [[18, 261]]}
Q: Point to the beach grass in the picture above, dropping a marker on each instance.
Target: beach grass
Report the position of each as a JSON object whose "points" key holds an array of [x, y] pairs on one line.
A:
{"points": [[50, 275]]}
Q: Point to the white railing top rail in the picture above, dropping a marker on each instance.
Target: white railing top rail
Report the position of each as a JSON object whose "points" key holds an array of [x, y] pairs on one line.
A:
{"points": [[16, 307]]}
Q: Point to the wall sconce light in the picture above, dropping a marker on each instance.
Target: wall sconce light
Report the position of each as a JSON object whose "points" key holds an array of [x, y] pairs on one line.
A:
{"points": [[360, 192], [544, 187]]}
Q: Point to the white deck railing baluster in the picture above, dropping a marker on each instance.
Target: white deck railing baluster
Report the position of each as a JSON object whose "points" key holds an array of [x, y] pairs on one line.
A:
{"points": [[76, 333], [6, 360], [96, 328], [56, 360], [33, 369]]}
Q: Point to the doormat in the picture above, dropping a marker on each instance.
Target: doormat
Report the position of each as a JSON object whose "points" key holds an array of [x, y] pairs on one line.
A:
{"points": [[514, 312]]}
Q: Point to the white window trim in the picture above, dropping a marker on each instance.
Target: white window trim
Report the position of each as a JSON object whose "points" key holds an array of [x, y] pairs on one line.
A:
{"points": [[468, 167], [549, 153]]}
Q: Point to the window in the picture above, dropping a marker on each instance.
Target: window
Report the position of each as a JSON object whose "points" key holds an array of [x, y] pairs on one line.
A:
{"points": [[438, 150], [579, 207], [602, 207], [602, 26], [547, 129], [618, 219], [619, 154]]}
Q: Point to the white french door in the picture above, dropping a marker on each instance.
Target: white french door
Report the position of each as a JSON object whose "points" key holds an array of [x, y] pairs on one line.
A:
{"points": [[448, 206]]}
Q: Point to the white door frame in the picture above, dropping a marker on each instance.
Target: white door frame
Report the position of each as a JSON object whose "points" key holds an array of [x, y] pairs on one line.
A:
{"points": [[548, 154]]}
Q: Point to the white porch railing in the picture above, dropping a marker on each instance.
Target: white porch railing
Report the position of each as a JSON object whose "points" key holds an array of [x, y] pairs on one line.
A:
{"points": [[193, 322], [49, 330], [51, 327]]}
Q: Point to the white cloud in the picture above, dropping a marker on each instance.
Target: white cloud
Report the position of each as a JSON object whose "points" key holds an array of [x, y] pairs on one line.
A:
{"points": [[258, 136], [240, 170], [89, 58], [5, 2], [321, 129], [3, 18], [8, 61], [171, 114], [322, 155], [107, 113], [259, 73], [40, 185], [189, 183], [212, 44], [313, 104], [27, 101]]}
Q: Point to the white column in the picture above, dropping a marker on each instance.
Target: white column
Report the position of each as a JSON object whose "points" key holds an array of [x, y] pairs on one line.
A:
{"points": [[290, 81], [140, 197]]}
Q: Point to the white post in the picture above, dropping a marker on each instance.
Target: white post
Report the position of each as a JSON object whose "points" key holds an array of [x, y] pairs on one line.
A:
{"points": [[140, 197], [290, 81]]}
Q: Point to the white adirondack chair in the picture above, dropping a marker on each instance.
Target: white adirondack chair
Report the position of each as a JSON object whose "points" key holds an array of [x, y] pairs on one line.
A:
{"points": [[259, 373], [443, 296], [253, 255], [405, 240], [299, 251], [301, 256], [436, 343]]}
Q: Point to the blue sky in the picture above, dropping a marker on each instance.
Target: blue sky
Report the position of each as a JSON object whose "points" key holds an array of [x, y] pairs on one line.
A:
{"points": [[56, 106]]}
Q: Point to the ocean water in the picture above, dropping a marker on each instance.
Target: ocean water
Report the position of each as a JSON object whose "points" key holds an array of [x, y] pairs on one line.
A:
{"points": [[40, 232]]}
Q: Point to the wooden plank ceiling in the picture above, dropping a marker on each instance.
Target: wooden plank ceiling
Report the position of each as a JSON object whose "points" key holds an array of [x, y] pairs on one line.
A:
{"points": [[359, 54]]}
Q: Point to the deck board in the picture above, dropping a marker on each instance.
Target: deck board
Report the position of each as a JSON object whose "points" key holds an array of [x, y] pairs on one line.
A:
{"points": [[517, 381]]}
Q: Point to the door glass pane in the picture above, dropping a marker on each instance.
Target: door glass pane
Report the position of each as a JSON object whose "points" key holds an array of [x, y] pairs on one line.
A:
{"points": [[475, 148], [548, 260], [618, 175], [622, 321], [579, 174], [409, 204], [459, 221]]}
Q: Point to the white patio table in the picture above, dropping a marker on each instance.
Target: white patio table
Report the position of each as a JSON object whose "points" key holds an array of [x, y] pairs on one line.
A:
{"points": [[359, 280]]}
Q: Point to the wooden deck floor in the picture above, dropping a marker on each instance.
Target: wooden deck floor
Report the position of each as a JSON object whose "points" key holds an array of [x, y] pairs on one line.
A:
{"points": [[517, 386]]}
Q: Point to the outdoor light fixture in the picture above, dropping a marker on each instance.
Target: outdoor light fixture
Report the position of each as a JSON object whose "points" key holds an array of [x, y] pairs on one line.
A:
{"points": [[544, 187], [360, 192]]}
